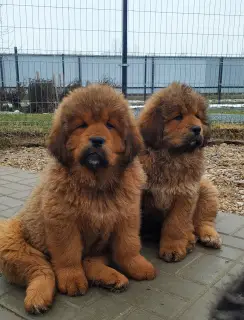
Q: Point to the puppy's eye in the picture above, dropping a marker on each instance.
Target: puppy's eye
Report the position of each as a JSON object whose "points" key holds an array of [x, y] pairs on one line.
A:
{"points": [[83, 125], [197, 116], [179, 117], [109, 125]]}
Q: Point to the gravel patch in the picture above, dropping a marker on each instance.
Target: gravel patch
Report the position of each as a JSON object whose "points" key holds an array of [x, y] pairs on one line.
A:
{"points": [[224, 166]]}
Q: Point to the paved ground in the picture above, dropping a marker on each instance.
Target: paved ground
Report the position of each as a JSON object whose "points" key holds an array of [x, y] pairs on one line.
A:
{"points": [[182, 290]]}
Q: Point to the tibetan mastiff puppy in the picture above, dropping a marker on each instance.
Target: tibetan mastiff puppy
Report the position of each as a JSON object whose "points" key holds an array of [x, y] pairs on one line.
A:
{"points": [[87, 204], [178, 198]]}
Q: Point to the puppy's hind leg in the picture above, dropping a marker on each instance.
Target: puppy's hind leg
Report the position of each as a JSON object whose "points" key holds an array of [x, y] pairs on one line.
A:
{"points": [[205, 215], [99, 274], [24, 265]]}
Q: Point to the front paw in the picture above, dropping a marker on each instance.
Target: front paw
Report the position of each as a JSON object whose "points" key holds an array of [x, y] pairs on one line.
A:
{"points": [[209, 237], [174, 250], [139, 269], [72, 281]]}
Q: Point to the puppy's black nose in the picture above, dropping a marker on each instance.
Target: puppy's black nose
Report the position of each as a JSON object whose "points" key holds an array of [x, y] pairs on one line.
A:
{"points": [[97, 142], [196, 130]]}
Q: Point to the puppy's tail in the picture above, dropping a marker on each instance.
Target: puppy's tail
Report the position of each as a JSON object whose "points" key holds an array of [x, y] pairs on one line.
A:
{"points": [[230, 305]]}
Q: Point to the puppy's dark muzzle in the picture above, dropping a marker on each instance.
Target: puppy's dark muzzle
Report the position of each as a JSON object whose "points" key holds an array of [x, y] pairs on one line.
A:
{"points": [[191, 143], [196, 141], [94, 158]]}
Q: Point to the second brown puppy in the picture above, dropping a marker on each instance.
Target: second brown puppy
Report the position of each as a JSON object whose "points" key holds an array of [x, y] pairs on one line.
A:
{"points": [[175, 128]]}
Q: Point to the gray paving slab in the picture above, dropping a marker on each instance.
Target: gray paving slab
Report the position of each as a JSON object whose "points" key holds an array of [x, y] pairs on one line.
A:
{"points": [[184, 290], [92, 296], [233, 241], [3, 207], [242, 260], [22, 195], [9, 170], [10, 202], [8, 213], [11, 178], [177, 286], [225, 252], [239, 233], [29, 182], [4, 286], [221, 215], [204, 270], [136, 292], [5, 191], [236, 270], [17, 186], [13, 300], [25, 175], [163, 304], [200, 309], [3, 182], [108, 307], [139, 314], [230, 224], [7, 315]]}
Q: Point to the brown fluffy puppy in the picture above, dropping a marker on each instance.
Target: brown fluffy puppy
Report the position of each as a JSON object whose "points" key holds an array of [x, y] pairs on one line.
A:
{"points": [[87, 204], [174, 127]]}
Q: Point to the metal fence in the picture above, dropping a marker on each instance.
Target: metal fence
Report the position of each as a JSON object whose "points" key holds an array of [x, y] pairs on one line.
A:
{"points": [[139, 46], [145, 74]]}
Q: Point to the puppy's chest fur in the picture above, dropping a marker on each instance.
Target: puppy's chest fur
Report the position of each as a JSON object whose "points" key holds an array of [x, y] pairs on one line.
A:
{"points": [[94, 212], [169, 177], [99, 216]]}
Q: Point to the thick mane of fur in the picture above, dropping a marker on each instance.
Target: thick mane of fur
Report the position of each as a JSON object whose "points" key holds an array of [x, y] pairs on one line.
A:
{"points": [[178, 200], [162, 167], [171, 171], [161, 105], [86, 209], [91, 102]]}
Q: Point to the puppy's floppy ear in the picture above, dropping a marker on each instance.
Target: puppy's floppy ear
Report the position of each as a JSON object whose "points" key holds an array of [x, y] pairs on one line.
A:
{"points": [[133, 144], [151, 125], [57, 141]]}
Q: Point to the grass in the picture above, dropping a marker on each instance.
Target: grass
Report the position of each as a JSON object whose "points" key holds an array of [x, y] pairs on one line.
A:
{"points": [[27, 117], [47, 117], [24, 129], [25, 123], [40, 123], [32, 129]]}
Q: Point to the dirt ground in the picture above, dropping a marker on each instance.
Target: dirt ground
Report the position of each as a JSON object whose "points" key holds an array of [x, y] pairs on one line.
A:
{"points": [[224, 166]]}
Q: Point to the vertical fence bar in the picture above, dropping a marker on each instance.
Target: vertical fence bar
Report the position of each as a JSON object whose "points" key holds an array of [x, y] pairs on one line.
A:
{"points": [[17, 70], [79, 70], [145, 79], [63, 70], [124, 47], [1, 72], [221, 63], [152, 83]]}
